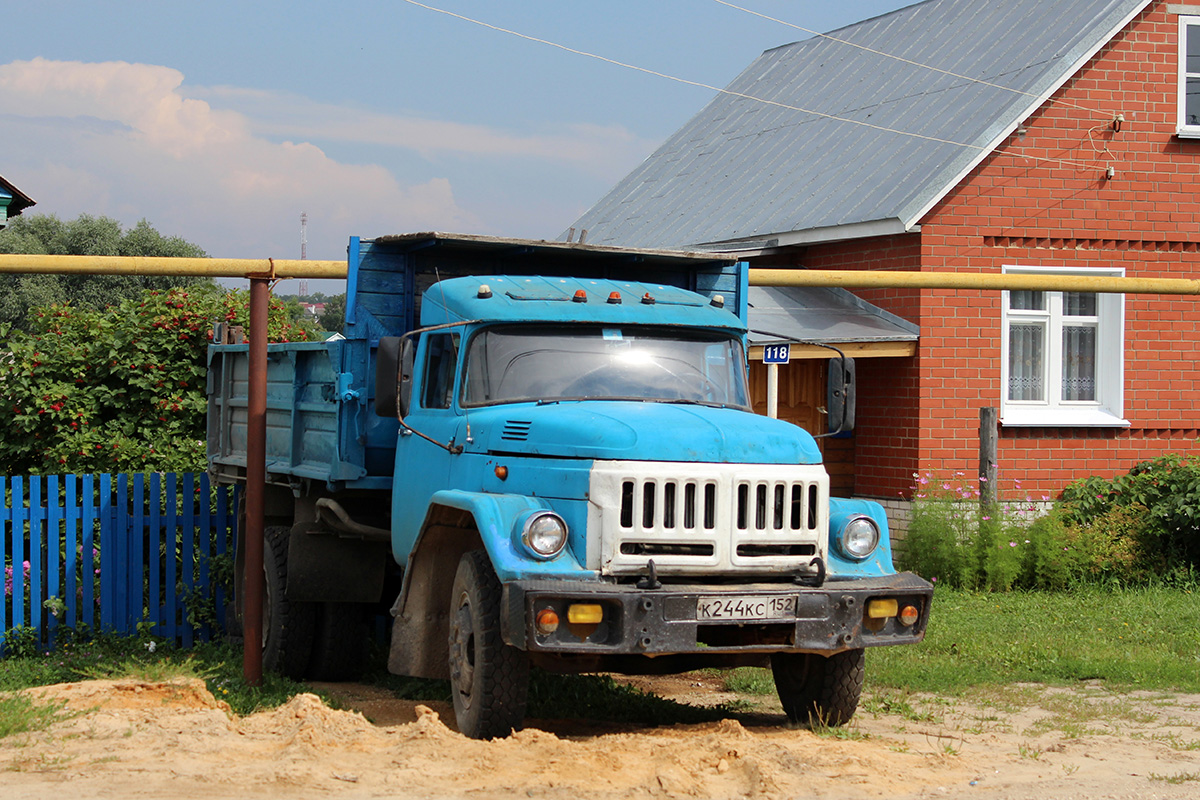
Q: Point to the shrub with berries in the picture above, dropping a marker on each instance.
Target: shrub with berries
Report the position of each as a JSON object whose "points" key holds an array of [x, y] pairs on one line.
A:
{"points": [[118, 390]]}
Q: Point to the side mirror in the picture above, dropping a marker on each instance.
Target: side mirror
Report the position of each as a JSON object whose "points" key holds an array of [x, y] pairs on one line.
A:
{"points": [[404, 381], [840, 395], [393, 376]]}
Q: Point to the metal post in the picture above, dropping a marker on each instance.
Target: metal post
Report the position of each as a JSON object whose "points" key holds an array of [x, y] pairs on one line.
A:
{"points": [[773, 391], [256, 476]]}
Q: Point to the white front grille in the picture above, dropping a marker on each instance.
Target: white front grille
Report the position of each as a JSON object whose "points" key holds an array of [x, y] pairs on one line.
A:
{"points": [[706, 519]]}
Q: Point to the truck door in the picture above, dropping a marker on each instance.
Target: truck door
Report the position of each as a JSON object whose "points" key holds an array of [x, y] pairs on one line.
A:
{"points": [[423, 467]]}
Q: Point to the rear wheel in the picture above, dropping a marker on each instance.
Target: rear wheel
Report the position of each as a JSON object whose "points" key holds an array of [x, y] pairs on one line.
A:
{"points": [[489, 680], [818, 690], [287, 627], [339, 648]]}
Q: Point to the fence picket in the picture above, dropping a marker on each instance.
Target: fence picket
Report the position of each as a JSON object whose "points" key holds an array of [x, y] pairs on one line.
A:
{"points": [[20, 521], [72, 560], [154, 556], [5, 524]]}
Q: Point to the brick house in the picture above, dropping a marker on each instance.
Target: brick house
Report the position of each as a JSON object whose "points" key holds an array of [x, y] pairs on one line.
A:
{"points": [[1057, 136]]}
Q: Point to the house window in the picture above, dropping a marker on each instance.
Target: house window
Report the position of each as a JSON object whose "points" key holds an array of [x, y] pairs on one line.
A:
{"points": [[1189, 76], [1063, 355]]}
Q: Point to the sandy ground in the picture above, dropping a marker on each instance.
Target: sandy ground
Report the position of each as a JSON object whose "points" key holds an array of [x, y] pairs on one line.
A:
{"points": [[133, 739]]}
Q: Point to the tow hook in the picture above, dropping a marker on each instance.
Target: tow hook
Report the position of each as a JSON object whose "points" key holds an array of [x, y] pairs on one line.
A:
{"points": [[651, 581], [805, 578]]}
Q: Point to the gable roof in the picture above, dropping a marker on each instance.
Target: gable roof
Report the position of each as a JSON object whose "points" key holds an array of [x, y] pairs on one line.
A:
{"points": [[824, 158], [19, 202]]}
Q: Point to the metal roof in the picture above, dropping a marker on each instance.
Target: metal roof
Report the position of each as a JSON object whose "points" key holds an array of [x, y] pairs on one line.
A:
{"points": [[821, 159], [828, 315], [20, 201]]}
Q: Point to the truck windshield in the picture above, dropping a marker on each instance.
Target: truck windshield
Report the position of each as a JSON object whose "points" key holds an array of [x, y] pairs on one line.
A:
{"points": [[523, 363]]}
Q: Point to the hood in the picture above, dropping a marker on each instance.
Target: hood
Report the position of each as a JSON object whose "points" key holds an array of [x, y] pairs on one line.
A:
{"points": [[637, 431]]}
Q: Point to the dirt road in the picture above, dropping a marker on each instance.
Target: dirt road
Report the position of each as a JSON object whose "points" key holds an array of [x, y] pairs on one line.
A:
{"points": [[131, 739]]}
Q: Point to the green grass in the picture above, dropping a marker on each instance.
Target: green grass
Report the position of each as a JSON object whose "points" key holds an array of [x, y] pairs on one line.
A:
{"points": [[19, 714], [217, 663], [1143, 638]]}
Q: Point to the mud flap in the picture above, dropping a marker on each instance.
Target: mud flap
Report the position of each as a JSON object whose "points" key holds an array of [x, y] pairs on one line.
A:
{"points": [[325, 567]]}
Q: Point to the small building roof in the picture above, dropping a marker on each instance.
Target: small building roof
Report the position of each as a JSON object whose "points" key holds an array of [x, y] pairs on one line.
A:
{"points": [[829, 138], [18, 201], [827, 315]]}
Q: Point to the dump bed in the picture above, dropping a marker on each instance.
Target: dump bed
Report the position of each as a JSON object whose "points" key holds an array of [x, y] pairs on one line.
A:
{"points": [[321, 424]]}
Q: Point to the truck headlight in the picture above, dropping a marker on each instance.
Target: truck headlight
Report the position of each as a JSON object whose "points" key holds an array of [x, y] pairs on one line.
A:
{"points": [[544, 534], [859, 537]]}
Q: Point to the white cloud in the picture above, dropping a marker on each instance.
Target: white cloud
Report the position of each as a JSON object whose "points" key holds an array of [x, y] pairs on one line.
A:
{"points": [[599, 149], [122, 139]]}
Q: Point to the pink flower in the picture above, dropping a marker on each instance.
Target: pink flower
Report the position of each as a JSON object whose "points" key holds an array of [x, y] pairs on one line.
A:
{"points": [[1012, 544]]}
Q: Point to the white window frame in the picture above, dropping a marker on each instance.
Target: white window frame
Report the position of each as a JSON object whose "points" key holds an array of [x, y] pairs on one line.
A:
{"points": [[1107, 410], [1184, 129]]}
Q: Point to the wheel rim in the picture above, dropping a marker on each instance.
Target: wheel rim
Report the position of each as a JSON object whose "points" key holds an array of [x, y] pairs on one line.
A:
{"points": [[462, 652]]}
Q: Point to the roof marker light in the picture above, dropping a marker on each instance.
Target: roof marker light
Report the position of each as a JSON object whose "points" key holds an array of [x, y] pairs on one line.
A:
{"points": [[718, 300], [580, 296], [485, 291], [647, 299], [614, 298]]}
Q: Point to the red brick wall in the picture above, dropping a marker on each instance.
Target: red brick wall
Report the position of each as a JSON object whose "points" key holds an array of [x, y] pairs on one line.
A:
{"points": [[1042, 199]]}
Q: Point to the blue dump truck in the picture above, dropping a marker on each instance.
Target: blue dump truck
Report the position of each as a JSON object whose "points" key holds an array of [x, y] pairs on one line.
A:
{"points": [[544, 454]]}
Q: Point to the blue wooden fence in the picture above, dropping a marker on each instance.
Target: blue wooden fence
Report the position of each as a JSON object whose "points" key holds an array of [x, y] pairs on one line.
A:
{"points": [[115, 551]]}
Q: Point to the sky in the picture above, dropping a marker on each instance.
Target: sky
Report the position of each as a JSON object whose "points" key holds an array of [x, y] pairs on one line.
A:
{"points": [[222, 122]]}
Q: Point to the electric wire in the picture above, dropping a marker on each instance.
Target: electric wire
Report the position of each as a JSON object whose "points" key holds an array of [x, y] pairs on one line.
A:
{"points": [[700, 84]]}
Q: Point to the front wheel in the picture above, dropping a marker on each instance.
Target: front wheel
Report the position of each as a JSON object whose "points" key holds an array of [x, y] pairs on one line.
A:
{"points": [[816, 690], [489, 680]]}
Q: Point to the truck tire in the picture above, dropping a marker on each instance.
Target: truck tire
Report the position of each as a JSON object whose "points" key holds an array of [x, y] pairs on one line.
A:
{"points": [[489, 680], [816, 690], [287, 626], [339, 648]]}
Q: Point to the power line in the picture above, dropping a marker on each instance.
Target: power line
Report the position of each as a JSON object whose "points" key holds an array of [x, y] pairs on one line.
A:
{"points": [[719, 90]]}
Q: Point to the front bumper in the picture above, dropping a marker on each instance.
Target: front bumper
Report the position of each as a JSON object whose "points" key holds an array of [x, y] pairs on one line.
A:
{"points": [[829, 619]]}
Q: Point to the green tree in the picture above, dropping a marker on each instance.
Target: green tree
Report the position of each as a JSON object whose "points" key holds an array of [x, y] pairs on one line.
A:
{"points": [[119, 389], [334, 315], [84, 236]]}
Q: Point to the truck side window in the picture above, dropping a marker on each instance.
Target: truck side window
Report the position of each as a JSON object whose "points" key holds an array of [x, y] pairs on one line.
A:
{"points": [[442, 357]]}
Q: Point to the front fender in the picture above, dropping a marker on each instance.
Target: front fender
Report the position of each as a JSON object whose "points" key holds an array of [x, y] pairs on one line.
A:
{"points": [[495, 517], [878, 563]]}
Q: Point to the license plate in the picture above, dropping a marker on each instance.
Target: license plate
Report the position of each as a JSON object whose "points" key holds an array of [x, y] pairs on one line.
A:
{"points": [[741, 607]]}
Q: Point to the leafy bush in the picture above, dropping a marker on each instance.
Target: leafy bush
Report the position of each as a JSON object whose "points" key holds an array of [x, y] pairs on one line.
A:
{"points": [[1156, 507], [121, 389]]}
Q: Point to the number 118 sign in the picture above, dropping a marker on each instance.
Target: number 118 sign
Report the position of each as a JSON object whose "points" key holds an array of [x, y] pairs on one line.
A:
{"points": [[776, 353]]}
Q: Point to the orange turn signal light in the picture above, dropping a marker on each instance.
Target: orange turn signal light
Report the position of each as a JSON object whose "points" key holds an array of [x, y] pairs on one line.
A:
{"points": [[908, 615], [580, 296], [547, 621]]}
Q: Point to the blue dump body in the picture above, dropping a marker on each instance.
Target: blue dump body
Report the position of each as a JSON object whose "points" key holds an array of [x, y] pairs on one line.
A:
{"points": [[544, 453]]}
